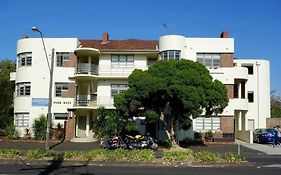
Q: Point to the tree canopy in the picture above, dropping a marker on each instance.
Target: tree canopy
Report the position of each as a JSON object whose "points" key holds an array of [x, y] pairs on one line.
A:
{"points": [[6, 92], [172, 91], [275, 105]]}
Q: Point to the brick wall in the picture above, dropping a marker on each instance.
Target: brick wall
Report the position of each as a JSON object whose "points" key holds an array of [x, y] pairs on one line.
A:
{"points": [[227, 124], [227, 60], [69, 128], [71, 62], [71, 91], [230, 90], [272, 122]]}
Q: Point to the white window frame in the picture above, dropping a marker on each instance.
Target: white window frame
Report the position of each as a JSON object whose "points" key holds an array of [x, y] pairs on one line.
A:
{"points": [[122, 61], [23, 89], [209, 60], [60, 116], [207, 123], [61, 57], [171, 55], [24, 59], [22, 119], [117, 88], [59, 87]]}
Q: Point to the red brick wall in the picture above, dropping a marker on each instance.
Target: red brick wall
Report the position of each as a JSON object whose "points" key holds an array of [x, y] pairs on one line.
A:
{"points": [[227, 60], [272, 122], [71, 91], [227, 124], [71, 62], [69, 128], [230, 90]]}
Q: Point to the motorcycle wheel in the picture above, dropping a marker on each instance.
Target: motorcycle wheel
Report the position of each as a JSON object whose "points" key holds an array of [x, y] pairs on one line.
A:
{"points": [[154, 146], [104, 144]]}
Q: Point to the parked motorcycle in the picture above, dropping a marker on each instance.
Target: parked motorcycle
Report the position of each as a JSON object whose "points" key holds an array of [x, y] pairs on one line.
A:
{"points": [[113, 143], [140, 142]]}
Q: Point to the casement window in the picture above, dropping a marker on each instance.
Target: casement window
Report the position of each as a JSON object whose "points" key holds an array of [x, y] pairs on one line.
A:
{"points": [[24, 59], [209, 60], [23, 89], [119, 61], [22, 119], [60, 116], [207, 123], [60, 57], [250, 69], [170, 55], [117, 88], [61, 87]]}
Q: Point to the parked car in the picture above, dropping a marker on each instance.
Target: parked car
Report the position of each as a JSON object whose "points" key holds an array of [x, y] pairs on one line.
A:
{"points": [[264, 135]]}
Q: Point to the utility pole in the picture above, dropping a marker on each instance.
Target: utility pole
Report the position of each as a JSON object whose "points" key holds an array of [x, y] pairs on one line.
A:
{"points": [[49, 115]]}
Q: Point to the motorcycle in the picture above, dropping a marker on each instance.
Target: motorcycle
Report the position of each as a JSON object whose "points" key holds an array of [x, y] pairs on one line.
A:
{"points": [[140, 142], [113, 143]]}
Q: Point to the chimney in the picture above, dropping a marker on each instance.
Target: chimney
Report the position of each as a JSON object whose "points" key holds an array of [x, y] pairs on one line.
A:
{"points": [[105, 38], [224, 34], [25, 37]]}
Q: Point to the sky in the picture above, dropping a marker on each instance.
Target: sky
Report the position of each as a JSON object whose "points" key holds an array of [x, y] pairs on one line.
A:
{"points": [[254, 24]]}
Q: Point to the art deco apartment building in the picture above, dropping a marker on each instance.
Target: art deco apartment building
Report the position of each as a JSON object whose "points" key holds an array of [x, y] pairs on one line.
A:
{"points": [[88, 73]]}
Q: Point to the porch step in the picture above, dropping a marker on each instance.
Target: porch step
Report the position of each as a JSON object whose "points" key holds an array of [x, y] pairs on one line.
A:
{"points": [[83, 140]]}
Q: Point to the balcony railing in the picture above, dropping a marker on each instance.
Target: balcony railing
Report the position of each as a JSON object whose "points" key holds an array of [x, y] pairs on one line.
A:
{"points": [[94, 101], [86, 68]]}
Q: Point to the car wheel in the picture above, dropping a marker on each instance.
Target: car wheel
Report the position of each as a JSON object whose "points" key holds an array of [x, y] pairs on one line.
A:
{"points": [[258, 140]]}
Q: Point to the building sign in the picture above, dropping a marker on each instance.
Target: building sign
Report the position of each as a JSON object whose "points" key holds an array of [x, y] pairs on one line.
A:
{"points": [[40, 101]]}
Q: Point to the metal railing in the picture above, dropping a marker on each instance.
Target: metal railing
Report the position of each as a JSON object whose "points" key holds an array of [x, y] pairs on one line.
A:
{"points": [[86, 68]]}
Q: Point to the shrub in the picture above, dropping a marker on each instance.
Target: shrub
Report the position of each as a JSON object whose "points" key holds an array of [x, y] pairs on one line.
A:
{"points": [[206, 156], [177, 156], [11, 132], [209, 136], [232, 157], [165, 143], [39, 153], [39, 127], [9, 153]]}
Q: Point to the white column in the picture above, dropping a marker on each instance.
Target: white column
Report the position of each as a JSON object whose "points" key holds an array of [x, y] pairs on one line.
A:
{"points": [[89, 64], [89, 92], [239, 120], [239, 90], [88, 125], [76, 125]]}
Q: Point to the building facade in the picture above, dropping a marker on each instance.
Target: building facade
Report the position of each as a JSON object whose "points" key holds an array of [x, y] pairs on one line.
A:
{"points": [[88, 73]]}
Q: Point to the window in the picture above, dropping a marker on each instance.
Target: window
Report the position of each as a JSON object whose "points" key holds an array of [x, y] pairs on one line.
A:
{"points": [[250, 96], [250, 69], [23, 89], [62, 56], [60, 116], [170, 54], [210, 60], [206, 124], [117, 88], [122, 60], [150, 62], [24, 59], [22, 119], [61, 87]]}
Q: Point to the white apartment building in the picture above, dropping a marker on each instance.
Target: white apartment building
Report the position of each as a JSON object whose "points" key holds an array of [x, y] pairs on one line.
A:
{"points": [[88, 73]]}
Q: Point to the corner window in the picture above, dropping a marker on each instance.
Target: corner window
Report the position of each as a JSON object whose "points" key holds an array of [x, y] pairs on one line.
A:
{"points": [[170, 55], [60, 57], [23, 89], [117, 88], [207, 123], [209, 60], [250, 96], [24, 59], [22, 119], [61, 87]]}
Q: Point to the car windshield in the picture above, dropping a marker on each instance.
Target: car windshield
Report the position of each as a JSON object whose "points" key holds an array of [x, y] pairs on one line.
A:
{"points": [[271, 131]]}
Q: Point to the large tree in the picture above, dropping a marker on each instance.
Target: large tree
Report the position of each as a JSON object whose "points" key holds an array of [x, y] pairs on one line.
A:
{"points": [[275, 105], [172, 91], [6, 92]]}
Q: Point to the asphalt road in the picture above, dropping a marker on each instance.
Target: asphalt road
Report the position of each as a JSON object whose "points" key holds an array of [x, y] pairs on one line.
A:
{"points": [[88, 169]]}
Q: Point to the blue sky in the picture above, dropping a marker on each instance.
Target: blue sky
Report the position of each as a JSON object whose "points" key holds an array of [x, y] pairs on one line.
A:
{"points": [[255, 24]]}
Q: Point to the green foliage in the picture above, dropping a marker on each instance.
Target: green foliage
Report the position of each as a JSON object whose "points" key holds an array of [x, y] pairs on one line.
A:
{"points": [[275, 105], [73, 154], [39, 127], [11, 132], [206, 156], [177, 156], [236, 158], [39, 153], [9, 153], [6, 93], [180, 89], [209, 136]]}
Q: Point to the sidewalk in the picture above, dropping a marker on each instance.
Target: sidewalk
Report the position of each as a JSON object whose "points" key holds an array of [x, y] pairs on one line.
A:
{"points": [[265, 148]]}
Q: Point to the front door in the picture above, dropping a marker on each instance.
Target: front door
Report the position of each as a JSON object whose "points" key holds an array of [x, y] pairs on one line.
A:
{"points": [[81, 132]]}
